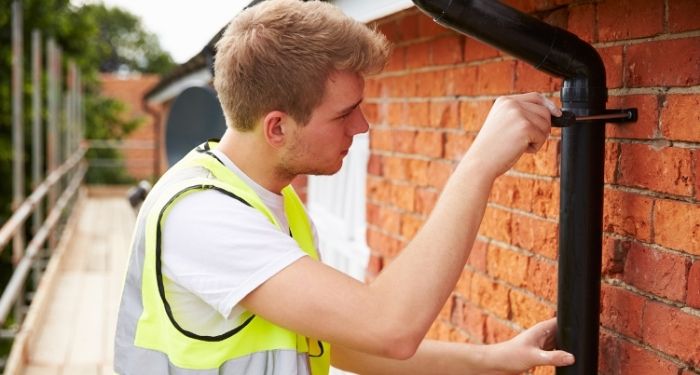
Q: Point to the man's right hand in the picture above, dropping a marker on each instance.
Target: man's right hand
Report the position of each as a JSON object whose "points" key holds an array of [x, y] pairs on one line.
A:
{"points": [[515, 124]]}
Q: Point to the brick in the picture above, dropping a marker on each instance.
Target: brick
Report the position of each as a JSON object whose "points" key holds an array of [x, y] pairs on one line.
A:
{"points": [[427, 27], [418, 55], [470, 319], [374, 165], [615, 24], [496, 224], [380, 139], [474, 113], [496, 78], [457, 144], [395, 168], [513, 192], [417, 171], [545, 162], [627, 214], [497, 331], [527, 311], [410, 225], [475, 50], [439, 172], [666, 169], [397, 60], [582, 22], [542, 278], [528, 79], [621, 311], [490, 296], [378, 189], [417, 113], [693, 292], [402, 140], [447, 50], [410, 85], [661, 273], [444, 114], [614, 68], [402, 196], [439, 82], [507, 265], [677, 225], [478, 256], [407, 27], [697, 174], [614, 255], [538, 236], [631, 359], [464, 80], [425, 199], [680, 118], [612, 154], [663, 63], [429, 143], [683, 15], [646, 125], [672, 331], [394, 114], [544, 198], [389, 220]]}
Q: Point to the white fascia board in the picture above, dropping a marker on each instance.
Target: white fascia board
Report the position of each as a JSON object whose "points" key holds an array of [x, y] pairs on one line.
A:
{"points": [[370, 10], [200, 77]]}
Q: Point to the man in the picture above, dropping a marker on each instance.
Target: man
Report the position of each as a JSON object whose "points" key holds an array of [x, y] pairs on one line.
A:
{"points": [[224, 276]]}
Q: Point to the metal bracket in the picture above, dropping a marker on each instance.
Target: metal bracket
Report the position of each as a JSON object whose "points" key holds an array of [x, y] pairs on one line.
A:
{"points": [[568, 118]]}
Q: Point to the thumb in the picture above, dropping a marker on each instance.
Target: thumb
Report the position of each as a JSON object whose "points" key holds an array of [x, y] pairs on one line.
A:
{"points": [[556, 358]]}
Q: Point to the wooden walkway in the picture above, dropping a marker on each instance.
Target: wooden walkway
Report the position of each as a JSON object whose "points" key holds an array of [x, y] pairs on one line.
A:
{"points": [[70, 326]]}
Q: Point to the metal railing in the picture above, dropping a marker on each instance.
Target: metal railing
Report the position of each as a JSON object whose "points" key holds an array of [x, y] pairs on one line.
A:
{"points": [[64, 165]]}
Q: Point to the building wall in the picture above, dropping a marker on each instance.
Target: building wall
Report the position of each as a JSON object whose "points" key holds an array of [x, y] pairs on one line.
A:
{"points": [[427, 107], [139, 158]]}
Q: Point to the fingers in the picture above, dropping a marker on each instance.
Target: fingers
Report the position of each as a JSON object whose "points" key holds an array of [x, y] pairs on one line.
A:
{"points": [[555, 358], [537, 98]]}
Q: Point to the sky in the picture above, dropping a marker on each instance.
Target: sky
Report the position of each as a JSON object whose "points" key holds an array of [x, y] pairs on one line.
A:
{"points": [[183, 26]]}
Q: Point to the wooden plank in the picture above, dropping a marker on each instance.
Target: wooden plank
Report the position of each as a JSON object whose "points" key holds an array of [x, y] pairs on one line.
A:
{"points": [[87, 347], [41, 370]]}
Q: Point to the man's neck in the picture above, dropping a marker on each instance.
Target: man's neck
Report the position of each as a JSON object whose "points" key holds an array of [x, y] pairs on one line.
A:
{"points": [[254, 158]]}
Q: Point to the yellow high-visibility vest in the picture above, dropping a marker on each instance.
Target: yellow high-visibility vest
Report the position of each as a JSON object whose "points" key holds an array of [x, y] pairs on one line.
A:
{"points": [[150, 341]]}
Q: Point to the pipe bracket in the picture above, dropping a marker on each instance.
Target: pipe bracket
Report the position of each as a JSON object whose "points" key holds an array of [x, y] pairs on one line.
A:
{"points": [[568, 118]]}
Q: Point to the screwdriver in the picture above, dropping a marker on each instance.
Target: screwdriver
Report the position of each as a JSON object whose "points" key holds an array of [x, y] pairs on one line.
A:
{"points": [[568, 118]]}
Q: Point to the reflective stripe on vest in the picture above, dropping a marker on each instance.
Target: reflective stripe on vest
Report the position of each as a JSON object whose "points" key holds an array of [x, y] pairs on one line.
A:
{"points": [[149, 340]]}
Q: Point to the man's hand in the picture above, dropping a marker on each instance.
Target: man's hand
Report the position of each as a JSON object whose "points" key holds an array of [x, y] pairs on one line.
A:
{"points": [[515, 124], [533, 347]]}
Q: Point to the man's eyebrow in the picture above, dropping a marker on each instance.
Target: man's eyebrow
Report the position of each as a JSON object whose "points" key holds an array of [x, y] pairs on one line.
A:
{"points": [[350, 108]]}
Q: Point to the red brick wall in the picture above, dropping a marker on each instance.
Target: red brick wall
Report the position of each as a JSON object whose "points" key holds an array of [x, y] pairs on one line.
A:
{"points": [[427, 107], [139, 161]]}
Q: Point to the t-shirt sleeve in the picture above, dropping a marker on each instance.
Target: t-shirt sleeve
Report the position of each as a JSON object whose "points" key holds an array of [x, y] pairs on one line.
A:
{"points": [[221, 249]]}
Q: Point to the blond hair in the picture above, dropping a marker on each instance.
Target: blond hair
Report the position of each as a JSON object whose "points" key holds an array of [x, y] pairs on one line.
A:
{"points": [[277, 55]]}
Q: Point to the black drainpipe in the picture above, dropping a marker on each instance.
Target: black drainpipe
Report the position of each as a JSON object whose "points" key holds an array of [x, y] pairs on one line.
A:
{"points": [[560, 53]]}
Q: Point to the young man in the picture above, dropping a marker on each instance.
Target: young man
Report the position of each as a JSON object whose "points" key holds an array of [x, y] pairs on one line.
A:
{"points": [[224, 274]]}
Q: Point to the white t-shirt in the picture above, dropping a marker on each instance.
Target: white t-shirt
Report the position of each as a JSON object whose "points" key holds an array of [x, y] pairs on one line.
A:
{"points": [[216, 250]]}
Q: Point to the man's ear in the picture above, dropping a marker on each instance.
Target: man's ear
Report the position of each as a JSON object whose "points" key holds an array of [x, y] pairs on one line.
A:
{"points": [[275, 126]]}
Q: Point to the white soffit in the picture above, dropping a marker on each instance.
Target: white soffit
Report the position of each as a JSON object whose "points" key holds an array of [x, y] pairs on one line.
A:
{"points": [[370, 10], [200, 77]]}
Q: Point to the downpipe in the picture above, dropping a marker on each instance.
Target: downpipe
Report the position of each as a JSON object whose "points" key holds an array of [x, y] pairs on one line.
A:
{"points": [[584, 93]]}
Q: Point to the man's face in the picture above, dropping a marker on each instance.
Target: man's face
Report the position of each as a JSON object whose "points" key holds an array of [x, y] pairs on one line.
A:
{"points": [[319, 146]]}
